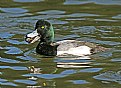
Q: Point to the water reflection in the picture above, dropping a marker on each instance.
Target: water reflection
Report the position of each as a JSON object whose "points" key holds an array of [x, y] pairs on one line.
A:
{"points": [[72, 65], [106, 2], [79, 81], [5, 60], [52, 12], [75, 2], [49, 73], [16, 42], [6, 35], [6, 82], [13, 10], [27, 1], [21, 66], [110, 76], [30, 82], [73, 62], [34, 70], [40, 72], [13, 50], [35, 74], [117, 17]]}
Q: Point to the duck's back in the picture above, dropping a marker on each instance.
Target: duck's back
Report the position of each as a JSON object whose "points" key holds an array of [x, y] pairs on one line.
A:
{"points": [[79, 48]]}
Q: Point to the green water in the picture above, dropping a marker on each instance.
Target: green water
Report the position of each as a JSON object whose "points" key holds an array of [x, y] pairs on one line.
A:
{"points": [[96, 21]]}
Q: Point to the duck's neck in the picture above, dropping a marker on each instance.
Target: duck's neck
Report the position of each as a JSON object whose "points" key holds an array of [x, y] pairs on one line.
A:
{"points": [[51, 32]]}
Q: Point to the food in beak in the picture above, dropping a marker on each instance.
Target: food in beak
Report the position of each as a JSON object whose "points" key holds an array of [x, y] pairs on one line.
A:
{"points": [[32, 37]]}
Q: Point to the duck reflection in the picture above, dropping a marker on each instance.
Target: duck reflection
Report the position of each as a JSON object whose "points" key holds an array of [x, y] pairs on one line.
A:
{"points": [[51, 68], [60, 62], [74, 62], [34, 70]]}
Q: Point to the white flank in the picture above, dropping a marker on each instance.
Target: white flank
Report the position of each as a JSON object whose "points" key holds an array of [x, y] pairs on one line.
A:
{"points": [[77, 51]]}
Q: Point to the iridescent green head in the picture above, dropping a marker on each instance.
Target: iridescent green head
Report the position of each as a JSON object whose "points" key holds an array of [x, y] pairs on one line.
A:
{"points": [[43, 31]]}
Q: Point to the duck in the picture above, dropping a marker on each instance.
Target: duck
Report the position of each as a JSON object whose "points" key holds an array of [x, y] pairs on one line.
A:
{"points": [[44, 32]]}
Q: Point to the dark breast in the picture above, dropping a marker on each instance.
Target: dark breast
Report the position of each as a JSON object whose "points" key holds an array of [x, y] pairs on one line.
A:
{"points": [[45, 49]]}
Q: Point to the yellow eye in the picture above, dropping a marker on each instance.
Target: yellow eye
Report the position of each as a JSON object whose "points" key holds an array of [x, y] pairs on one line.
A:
{"points": [[43, 27]]}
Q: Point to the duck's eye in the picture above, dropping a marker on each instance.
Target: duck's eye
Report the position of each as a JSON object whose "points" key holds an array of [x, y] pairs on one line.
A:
{"points": [[43, 27]]}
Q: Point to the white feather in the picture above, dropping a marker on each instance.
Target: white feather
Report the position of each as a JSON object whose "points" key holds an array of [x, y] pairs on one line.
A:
{"points": [[78, 51]]}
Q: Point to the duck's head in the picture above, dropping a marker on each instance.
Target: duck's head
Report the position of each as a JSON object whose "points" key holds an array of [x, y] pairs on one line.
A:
{"points": [[43, 31]]}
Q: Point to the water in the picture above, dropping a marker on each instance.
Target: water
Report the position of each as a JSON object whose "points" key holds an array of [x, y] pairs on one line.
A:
{"points": [[87, 20]]}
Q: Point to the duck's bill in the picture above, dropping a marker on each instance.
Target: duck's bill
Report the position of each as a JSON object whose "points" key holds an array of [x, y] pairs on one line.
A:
{"points": [[32, 37]]}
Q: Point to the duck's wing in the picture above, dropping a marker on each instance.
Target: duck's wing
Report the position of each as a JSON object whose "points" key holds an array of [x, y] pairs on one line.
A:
{"points": [[95, 48], [67, 44]]}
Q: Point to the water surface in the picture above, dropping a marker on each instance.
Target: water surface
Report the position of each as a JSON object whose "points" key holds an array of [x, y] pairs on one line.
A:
{"points": [[87, 20]]}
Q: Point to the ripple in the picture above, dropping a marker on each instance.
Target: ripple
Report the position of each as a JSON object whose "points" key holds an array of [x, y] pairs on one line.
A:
{"points": [[4, 67], [91, 70], [108, 20], [27, 0], [6, 35], [118, 60], [52, 12], [13, 50], [45, 17], [82, 15], [79, 81], [19, 15], [112, 43], [8, 60], [117, 17], [5, 82], [107, 2], [75, 19], [104, 2], [72, 36], [110, 76], [26, 81], [13, 10], [73, 2], [84, 29], [58, 22], [51, 76], [16, 42], [45, 76], [29, 58], [19, 68], [67, 72]]}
